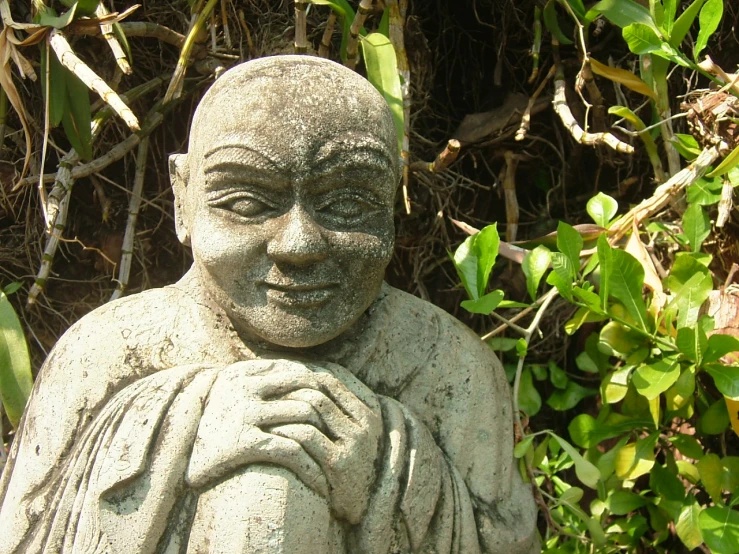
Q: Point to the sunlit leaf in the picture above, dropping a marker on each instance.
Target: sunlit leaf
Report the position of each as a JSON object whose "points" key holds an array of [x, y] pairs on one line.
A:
{"points": [[709, 19], [622, 13], [728, 163], [523, 447], [602, 208], [585, 471], [704, 191], [15, 365], [719, 345], [570, 243], [684, 23], [615, 385], [637, 458], [484, 305], [719, 526], [687, 526], [654, 378], [626, 282], [687, 146], [696, 226], [345, 13], [382, 71], [710, 469], [534, 266], [642, 39]]}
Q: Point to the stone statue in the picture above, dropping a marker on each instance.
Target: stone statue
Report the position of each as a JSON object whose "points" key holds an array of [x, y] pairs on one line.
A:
{"points": [[280, 398]]}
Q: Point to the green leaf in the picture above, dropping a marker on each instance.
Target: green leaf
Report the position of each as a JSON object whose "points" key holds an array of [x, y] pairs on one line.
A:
{"points": [[86, 7], [562, 275], [585, 471], [581, 430], [57, 86], [690, 297], [522, 347], [728, 163], [615, 385], [16, 380], [534, 266], [626, 282], [345, 13], [484, 305], [570, 397], [618, 340], [704, 191], [573, 495], [653, 379], [670, 9], [557, 375], [687, 146], [709, 19], [605, 258], [384, 26], [696, 226], [49, 18], [665, 483], [642, 39], [622, 13], [715, 420], [684, 23], [529, 399], [726, 379], [382, 71], [602, 208], [523, 447], [569, 242], [719, 526], [589, 298], [549, 15], [77, 120], [620, 503], [687, 524], [12, 288], [692, 342], [637, 458], [711, 470], [688, 446], [719, 345]]}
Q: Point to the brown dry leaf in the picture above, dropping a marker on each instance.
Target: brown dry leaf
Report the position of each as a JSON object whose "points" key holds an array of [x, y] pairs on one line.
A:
{"points": [[621, 76], [6, 82], [636, 248]]}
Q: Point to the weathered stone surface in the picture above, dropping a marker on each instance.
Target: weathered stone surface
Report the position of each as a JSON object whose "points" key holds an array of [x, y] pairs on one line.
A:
{"points": [[279, 398]]}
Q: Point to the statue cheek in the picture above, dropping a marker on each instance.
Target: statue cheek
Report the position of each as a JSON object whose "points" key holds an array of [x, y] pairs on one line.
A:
{"points": [[362, 248]]}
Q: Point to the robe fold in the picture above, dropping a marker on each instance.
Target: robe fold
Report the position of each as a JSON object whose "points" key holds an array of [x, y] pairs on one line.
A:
{"points": [[102, 456]]}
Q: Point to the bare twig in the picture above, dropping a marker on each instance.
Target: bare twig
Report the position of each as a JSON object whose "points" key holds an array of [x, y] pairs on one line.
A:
{"points": [[328, 32], [70, 60], [668, 190], [140, 29], [352, 41], [445, 158], [560, 105], [107, 31], [536, 46], [526, 117], [301, 37], [726, 203], [133, 213], [509, 193]]}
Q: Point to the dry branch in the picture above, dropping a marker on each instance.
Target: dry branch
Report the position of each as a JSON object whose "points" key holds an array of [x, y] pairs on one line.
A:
{"points": [[70, 60], [559, 102], [526, 117], [107, 31], [140, 29], [133, 214], [445, 158]]}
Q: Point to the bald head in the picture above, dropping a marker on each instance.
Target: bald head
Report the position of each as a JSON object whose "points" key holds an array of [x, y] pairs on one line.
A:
{"points": [[298, 108]]}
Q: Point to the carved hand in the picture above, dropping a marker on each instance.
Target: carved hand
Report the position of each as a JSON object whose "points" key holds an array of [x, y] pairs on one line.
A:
{"points": [[245, 399], [347, 449]]}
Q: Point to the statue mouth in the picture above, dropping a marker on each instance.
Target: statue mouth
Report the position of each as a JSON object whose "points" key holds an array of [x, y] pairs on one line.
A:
{"points": [[300, 295]]}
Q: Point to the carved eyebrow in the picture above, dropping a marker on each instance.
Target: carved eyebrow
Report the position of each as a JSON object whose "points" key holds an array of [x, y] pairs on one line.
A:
{"points": [[237, 156], [373, 149]]}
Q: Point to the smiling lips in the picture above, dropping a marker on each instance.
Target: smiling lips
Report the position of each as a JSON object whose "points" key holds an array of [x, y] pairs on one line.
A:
{"points": [[301, 295]]}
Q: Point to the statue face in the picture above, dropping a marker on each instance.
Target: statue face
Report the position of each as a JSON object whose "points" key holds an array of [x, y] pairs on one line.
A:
{"points": [[289, 207]]}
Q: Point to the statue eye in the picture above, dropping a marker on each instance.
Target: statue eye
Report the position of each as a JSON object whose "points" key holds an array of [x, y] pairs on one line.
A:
{"points": [[244, 205], [347, 209]]}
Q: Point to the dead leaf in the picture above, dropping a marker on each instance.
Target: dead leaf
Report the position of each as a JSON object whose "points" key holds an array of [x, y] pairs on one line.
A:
{"points": [[6, 82], [621, 76]]}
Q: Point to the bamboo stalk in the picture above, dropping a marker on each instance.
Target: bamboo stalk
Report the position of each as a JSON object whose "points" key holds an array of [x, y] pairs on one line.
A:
{"points": [[323, 48], [726, 203], [536, 46], [396, 24], [140, 29], [175, 86], [301, 36], [352, 42], [526, 117], [134, 205], [106, 29], [70, 60]]}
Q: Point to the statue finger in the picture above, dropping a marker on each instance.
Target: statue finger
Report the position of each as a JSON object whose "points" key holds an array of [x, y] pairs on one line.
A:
{"points": [[345, 398], [337, 423], [288, 453], [351, 382], [315, 443], [283, 411]]}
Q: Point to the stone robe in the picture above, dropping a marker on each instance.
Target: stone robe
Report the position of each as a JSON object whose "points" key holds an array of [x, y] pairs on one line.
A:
{"points": [[102, 461]]}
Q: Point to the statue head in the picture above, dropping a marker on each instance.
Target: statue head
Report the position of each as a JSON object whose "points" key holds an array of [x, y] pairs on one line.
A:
{"points": [[286, 197]]}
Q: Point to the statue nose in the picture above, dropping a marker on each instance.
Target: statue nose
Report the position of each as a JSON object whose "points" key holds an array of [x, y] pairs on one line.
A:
{"points": [[300, 241]]}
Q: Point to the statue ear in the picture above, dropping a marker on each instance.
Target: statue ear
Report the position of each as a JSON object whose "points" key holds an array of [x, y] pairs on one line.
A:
{"points": [[179, 174]]}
